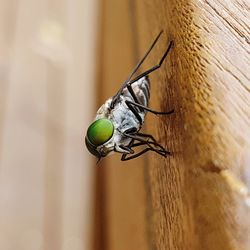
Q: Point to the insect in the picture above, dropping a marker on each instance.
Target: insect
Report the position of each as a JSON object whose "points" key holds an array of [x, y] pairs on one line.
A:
{"points": [[118, 121]]}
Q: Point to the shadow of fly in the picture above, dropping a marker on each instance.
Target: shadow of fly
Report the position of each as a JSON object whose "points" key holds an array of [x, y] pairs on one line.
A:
{"points": [[118, 121]]}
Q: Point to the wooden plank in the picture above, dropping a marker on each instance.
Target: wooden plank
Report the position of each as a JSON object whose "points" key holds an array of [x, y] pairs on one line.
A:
{"points": [[120, 186], [208, 81], [198, 198]]}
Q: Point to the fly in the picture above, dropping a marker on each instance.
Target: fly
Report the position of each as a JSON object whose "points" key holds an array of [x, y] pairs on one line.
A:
{"points": [[118, 121]]}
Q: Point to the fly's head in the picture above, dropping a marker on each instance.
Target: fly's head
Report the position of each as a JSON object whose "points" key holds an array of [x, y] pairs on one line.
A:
{"points": [[99, 137]]}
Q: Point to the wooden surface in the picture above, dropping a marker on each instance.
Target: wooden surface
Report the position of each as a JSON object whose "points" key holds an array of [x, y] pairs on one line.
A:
{"points": [[116, 207], [198, 198]]}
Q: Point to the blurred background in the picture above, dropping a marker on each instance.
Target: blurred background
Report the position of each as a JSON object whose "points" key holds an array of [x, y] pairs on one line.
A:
{"points": [[47, 99], [59, 61]]}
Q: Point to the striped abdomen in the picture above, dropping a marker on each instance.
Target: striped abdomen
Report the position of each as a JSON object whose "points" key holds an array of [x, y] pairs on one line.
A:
{"points": [[141, 89], [122, 114]]}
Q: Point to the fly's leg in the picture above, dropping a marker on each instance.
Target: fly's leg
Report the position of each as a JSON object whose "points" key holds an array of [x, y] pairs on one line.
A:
{"points": [[147, 72], [148, 137], [115, 98], [136, 103], [126, 157], [123, 149], [128, 148], [134, 111], [144, 139], [131, 104], [139, 137]]}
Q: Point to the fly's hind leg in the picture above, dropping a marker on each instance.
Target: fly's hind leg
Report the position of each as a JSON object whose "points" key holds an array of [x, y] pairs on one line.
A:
{"points": [[131, 91], [129, 82], [157, 66], [116, 97], [144, 140]]}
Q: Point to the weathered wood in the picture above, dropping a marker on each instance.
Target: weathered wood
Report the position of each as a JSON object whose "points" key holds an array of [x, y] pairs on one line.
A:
{"points": [[198, 198]]}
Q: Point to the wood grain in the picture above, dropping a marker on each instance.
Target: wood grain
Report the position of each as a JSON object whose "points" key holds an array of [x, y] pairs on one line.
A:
{"points": [[198, 198], [209, 87]]}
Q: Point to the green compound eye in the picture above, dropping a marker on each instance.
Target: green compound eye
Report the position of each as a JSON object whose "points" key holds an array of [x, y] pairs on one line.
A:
{"points": [[100, 131]]}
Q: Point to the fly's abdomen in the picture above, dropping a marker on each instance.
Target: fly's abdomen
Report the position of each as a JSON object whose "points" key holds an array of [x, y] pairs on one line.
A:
{"points": [[142, 90], [123, 117]]}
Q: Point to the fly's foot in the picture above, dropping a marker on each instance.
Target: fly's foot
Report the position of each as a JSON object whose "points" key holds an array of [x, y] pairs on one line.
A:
{"points": [[166, 113], [164, 153]]}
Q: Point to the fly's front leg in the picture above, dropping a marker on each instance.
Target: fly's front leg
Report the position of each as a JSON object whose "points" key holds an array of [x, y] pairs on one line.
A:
{"points": [[126, 157], [154, 142], [123, 149], [144, 140]]}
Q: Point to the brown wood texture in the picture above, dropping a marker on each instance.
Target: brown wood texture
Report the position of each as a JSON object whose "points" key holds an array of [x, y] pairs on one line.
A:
{"points": [[198, 198]]}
